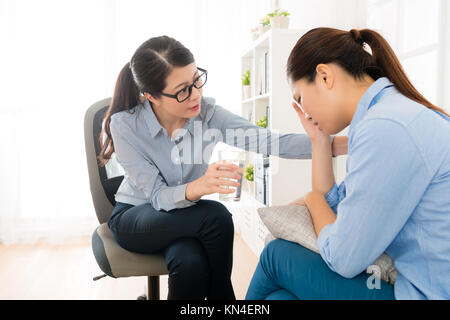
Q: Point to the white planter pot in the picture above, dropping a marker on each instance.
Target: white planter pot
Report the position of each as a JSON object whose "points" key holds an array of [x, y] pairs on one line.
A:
{"points": [[250, 187], [247, 92], [280, 22], [262, 29]]}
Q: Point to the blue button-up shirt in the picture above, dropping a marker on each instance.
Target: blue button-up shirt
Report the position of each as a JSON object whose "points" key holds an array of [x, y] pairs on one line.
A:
{"points": [[158, 167], [395, 196]]}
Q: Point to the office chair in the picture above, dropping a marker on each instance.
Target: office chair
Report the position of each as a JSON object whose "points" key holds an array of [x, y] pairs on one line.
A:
{"points": [[112, 259]]}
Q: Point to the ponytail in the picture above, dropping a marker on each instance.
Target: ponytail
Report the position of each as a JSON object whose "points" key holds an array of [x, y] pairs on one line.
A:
{"points": [[328, 45], [386, 59], [125, 97]]}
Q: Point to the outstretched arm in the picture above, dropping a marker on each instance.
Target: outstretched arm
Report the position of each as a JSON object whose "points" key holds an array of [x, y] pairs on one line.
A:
{"points": [[239, 132], [340, 146]]}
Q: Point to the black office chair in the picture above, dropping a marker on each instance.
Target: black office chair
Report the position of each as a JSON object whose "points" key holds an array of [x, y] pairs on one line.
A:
{"points": [[112, 259]]}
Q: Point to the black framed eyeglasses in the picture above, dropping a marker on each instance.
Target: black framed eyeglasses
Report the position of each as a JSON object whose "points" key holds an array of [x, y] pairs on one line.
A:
{"points": [[186, 92]]}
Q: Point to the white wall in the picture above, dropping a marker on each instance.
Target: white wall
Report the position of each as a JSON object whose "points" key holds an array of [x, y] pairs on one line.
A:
{"points": [[418, 31], [343, 14]]}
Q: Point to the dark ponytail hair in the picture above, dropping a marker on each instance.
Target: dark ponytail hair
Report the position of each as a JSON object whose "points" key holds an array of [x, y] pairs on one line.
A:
{"points": [[147, 71], [346, 48]]}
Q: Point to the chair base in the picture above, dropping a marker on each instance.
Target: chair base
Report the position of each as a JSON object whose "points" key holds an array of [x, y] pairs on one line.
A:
{"points": [[152, 289]]}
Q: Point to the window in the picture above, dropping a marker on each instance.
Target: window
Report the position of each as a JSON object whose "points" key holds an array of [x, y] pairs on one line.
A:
{"points": [[414, 28]]}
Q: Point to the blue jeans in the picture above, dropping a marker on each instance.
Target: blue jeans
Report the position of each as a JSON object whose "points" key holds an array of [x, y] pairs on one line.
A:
{"points": [[288, 271]]}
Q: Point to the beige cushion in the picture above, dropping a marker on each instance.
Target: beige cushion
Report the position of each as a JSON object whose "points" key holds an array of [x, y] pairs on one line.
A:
{"points": [[293, 223], [127, 264]]}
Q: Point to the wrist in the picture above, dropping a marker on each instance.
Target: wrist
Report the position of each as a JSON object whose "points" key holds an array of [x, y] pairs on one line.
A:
{"points": [[192, 191], [312, 196], [321, 142]]}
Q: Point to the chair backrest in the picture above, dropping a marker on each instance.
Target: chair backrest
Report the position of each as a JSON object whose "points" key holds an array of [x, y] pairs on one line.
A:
{"points": [[103, 187]]}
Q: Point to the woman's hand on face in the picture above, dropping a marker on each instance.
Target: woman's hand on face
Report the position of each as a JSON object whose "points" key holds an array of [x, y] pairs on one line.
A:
{"points": [[214, 180], [311, 127]]}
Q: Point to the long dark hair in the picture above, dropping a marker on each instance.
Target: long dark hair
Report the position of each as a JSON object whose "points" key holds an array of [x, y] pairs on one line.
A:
{"points": [[346, 48], [146, 72]]}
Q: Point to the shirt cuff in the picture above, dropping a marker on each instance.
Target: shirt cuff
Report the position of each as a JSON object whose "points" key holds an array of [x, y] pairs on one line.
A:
{"points": [[322, 239], [332, 196], [179, 197], [323, 244]]}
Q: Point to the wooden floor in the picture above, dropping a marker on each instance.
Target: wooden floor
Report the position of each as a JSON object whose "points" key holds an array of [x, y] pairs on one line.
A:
{"points": [[50, 271]]}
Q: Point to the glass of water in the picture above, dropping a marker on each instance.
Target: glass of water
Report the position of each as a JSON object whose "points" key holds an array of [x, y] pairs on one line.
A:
{"points": [[237, 158]]}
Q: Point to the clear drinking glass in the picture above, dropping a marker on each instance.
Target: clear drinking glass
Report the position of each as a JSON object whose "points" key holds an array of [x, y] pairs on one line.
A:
{"points": [[237, 158]]}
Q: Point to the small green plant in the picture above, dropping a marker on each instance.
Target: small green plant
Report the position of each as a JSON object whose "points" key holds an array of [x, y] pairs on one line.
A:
{"points": [[246, 78], [265, 21], [278, 13], [249, 172], [262, 123]]}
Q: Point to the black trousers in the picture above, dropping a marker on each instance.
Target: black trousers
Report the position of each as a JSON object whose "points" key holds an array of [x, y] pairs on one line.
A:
{"points": [[197, 243]]}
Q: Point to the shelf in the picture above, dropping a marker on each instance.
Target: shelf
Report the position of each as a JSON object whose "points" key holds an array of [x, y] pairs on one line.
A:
{"points": [[260, 97], [264, 41], [246, 196], [261, 42], [287, 178]]}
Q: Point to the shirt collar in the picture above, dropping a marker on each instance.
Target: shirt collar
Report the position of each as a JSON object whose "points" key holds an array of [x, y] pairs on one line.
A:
{"points": [[153, 124], [190, 125], [369, 98]]}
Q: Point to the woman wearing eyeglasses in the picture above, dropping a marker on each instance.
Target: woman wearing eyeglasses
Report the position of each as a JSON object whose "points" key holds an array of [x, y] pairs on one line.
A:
{"points": [[163, 132]]}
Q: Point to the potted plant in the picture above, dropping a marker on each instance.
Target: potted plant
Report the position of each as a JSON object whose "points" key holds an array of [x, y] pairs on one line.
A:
{"points": [[262, 123], [246, 84], [264, 25], [248, 175], [279, 19]]}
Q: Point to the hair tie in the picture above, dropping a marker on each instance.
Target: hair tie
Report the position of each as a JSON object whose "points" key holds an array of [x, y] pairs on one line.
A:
{"points": [[356, 35]]}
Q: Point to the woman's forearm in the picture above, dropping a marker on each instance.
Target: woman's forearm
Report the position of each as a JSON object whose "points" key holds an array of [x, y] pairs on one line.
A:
{"points": [[322, 166], [321, 213]]}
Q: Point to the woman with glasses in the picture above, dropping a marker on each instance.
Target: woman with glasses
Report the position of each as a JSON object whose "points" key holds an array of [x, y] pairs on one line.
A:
{"points": [[162, 132]]}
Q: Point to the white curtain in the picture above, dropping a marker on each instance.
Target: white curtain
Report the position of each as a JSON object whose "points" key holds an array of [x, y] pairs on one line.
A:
{"points": [[57, 59]]}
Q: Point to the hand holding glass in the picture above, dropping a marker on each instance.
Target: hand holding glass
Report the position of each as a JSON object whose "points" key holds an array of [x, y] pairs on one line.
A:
{"points": [[236, 158]]}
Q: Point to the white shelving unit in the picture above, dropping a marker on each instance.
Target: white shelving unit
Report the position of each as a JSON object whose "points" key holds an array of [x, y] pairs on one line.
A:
{"points": [[288, 179]]}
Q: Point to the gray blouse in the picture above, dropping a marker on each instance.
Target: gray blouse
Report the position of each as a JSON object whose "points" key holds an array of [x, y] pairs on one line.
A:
{"points": [[158, 167]]}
